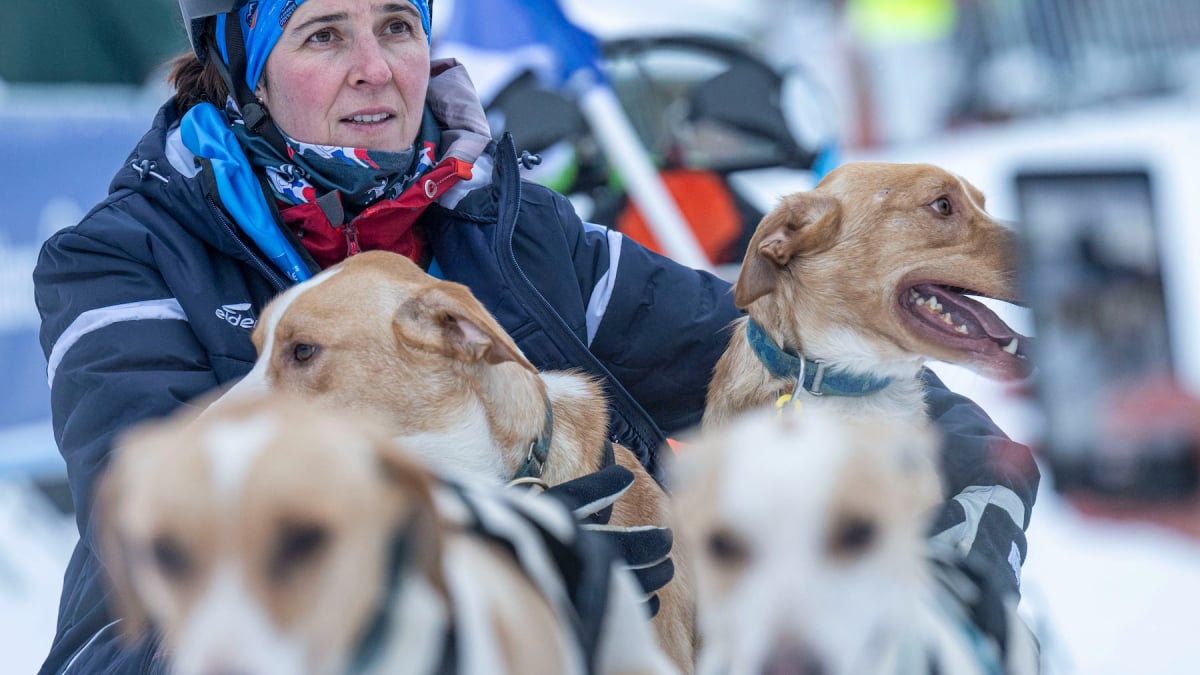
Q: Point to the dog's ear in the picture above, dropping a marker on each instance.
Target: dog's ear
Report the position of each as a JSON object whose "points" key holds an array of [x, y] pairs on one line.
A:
{"points": [[804, 223], [124, 601], [413, 486], [448, 319]]}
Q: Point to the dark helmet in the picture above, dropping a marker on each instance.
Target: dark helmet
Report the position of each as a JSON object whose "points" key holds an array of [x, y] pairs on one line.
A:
{"points": [[195, 12]]}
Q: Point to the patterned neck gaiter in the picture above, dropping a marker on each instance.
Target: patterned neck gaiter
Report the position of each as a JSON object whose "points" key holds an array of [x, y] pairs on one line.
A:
{"points": [[361, 176]]}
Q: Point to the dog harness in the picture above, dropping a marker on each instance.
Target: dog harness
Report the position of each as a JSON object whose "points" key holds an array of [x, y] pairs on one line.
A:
{"points": [[811, 375], [572, 572], [568, 571], [382, 623]]}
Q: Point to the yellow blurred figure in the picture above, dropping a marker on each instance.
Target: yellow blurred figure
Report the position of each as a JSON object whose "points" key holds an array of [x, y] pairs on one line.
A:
{"points": [[910, 74], [878, 21]]}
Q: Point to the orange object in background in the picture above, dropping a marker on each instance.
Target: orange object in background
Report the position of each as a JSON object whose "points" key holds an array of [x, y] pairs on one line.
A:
{"points": [[676, 446], [705, 203]]}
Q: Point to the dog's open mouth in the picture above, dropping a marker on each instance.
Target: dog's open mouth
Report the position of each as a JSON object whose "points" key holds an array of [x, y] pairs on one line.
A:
{"points": [[946, 315]]}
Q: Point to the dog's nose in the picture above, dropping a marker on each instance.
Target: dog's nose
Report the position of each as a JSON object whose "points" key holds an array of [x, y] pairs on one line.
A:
{"points": [[792, 658]]}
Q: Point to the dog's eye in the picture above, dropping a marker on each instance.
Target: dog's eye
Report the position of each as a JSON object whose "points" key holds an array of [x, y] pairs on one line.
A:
{"points": [[170, 558], [727, 548], [303, 352], [943, 206], [297, 544], [852, 536]]}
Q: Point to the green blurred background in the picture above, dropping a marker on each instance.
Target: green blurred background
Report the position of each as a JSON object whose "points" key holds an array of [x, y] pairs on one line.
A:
{"points": [[87, 41]]}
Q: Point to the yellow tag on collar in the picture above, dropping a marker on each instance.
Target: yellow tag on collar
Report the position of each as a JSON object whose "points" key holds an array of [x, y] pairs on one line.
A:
{"points": [[782, 401]]}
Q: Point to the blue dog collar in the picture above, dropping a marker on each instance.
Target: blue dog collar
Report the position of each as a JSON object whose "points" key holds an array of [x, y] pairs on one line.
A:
{"points": [[812, 376]]}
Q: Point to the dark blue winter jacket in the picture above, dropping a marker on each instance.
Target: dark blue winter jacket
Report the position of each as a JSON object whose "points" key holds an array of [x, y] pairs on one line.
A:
{"points": [[150, 300]]}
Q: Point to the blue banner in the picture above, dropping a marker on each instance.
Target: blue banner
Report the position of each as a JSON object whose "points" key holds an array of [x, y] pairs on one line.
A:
{"points": [[531, 35], [57, 165]]}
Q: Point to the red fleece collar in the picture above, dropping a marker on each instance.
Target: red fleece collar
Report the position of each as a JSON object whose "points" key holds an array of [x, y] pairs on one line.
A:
{"points": [[383, 226]]}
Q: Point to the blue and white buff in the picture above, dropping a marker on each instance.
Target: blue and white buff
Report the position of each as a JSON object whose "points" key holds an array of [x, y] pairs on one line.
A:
{"points": [[263, 22]]}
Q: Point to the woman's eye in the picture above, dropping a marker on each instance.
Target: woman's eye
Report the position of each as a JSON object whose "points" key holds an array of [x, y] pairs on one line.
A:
{"points": [[399, 28], [942, 206], [303, 352], [321, 37]]}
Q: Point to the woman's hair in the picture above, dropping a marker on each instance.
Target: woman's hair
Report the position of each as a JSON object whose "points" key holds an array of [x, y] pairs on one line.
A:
{"points": [[196, 82]]}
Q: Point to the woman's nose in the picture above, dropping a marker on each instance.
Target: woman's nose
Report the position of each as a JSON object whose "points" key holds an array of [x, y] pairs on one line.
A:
{"points": [[370, 65]]}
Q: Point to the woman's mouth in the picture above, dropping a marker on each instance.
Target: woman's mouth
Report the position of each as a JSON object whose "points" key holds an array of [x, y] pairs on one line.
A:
{"points": [[368, 119]]}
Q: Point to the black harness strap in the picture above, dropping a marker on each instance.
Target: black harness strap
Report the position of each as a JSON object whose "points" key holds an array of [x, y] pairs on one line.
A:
{"points": [[380, 626], [383, 624]]}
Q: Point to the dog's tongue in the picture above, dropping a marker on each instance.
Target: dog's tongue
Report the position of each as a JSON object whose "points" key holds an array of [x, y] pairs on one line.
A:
{"points": [[983, 321]]}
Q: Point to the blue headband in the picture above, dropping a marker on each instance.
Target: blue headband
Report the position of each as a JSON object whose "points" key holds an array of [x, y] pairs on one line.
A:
{"points": [[262, 25]]}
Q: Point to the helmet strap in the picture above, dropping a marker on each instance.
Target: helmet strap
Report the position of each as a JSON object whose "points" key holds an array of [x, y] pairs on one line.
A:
{"points": [[254, 113]]}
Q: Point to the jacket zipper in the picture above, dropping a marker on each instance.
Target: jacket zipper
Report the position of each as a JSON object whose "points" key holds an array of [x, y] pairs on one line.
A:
{"points": [[509, 225], [267, 271], [351, 234]]}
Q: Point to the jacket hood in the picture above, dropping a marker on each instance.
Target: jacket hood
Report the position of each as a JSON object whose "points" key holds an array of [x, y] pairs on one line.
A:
{"points": [[165, 173]]}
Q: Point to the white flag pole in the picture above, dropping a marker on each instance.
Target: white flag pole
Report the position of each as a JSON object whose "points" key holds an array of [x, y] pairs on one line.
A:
{"points": [[641, 179]]}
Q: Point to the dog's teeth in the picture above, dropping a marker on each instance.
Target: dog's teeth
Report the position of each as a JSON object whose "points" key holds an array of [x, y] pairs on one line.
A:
{"points": [[1011, 347], [931, 304], [948, 319], [961, 329]]}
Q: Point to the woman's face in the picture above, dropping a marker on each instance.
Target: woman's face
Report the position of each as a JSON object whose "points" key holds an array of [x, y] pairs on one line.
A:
{"points": [[349, 73]]}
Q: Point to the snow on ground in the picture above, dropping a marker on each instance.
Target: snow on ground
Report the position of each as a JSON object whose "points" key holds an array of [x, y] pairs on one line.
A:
{"points": [[1105, 598], [1109, 599], [35, 544]]}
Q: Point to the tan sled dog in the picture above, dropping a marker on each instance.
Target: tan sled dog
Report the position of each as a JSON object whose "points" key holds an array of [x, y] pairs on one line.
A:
{"points": [[377, 335], [852, 286], [278, 537]]}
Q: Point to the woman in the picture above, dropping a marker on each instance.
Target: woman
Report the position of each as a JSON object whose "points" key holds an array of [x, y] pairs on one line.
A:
{"points": [[302, 132]]}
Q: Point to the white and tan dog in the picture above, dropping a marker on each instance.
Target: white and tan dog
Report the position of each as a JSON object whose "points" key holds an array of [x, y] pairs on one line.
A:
{"points": [[377, 335], [807, 533], [863, 279], [277, 537]]}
